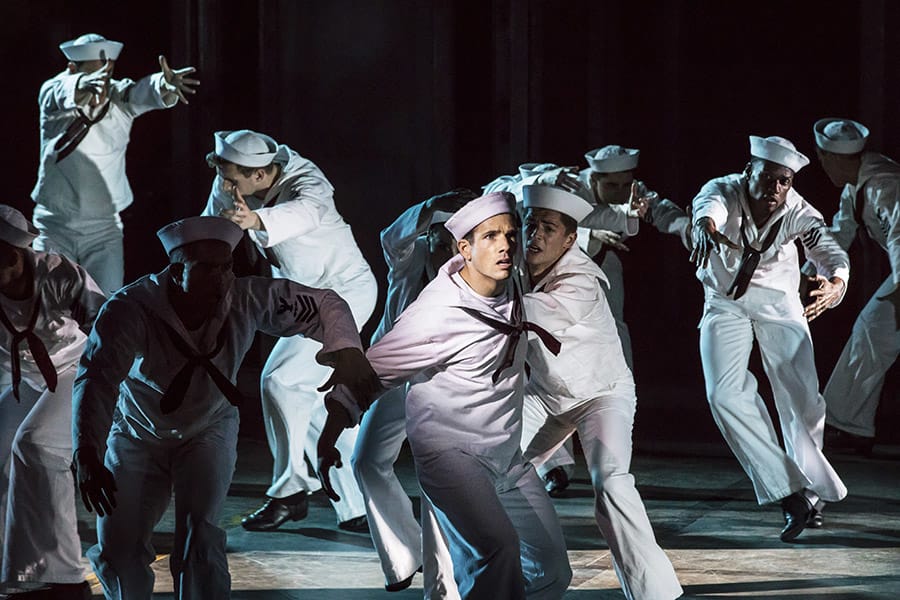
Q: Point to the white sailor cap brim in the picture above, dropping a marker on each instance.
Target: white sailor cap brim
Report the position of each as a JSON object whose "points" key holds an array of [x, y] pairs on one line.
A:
{"points": [[15, 229], [196, 229], [777, 150], [245, 147], [89, 47], [479, 210], [613, 159], [840, 136], [554, 198]]}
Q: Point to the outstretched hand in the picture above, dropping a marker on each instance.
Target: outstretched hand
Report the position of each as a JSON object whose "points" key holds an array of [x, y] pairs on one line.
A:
{"points": [[95, 481], [352, 369], [824, 293], [706, 238], [96, 83], [609, 238], [178, 78]]}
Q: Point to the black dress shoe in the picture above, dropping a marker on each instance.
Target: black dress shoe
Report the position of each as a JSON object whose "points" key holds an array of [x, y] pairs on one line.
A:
{"points": [[815, 520], [276, 511], [556, 481], [844, 442], [797, 511], [401, 585], [356, 525]]}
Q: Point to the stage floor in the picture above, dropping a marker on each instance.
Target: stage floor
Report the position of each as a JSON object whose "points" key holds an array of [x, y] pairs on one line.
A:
{"points": [[723, 545]]}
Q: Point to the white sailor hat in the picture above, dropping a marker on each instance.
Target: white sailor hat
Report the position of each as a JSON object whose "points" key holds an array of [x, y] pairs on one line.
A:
{"points": [[245, 148], [196, 229], [613, 159], [88, 47], [531, 169], [555, 198], [840, 136], [480, 209], [15, 229], [777, 150]]}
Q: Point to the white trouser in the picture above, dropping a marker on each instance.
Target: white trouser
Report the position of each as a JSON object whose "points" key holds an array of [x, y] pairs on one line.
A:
{"points": [[41, 535], [294, 413], [504, 536], [94, 244], [726, 339], [146, 472], [854, 389], [402, 545], [604, 426], [615, 297], [563, 458]]}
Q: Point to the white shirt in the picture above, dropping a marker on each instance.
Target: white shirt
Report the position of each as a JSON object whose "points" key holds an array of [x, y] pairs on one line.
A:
{"points": [[778, 274], [91, 183], [70, 300], [302, 226], [569, 303], [129, 345]]}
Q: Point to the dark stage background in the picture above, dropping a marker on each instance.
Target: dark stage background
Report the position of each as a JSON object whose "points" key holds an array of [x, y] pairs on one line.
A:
{"points": [[397, 100]]}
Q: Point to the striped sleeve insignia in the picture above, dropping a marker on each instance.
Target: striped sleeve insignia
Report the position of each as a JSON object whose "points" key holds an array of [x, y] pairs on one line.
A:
{"points": [[302, 307]]}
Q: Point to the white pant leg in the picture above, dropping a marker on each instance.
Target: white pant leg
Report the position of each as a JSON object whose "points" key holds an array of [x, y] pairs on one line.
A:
{"points": [[615, 297], [294, 414], [202, 472], [787, 355], [437, 564], [42, 542], [395, 532], [501, 543], [123, 554], [96, 245], [604, 426], [854, 389], [545, 442], [12, 413], [725, 343]]}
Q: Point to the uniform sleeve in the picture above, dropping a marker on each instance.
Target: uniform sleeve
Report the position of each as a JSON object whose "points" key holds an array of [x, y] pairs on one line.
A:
{"points": [[310, 203], [710, 202], [844, 225], [668, 217], [58, 94], [398, 240], [111, 350], [885, 199], [563, 303], [149, 93], [83, 296], [291, 308], [504, 183], [822, 250], [609, 217]]}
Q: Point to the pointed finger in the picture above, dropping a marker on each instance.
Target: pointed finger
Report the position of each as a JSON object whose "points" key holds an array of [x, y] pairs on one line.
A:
{"points": [[164, 65]]}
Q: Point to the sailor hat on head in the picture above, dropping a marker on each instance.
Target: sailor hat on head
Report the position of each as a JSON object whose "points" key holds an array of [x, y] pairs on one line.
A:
{"points": [[196, 229], [480, 209], [88, 47], [531, 169], [613, 159], [840, 136], [15, 229], [245, 148], [555, 198], [777, 150]]}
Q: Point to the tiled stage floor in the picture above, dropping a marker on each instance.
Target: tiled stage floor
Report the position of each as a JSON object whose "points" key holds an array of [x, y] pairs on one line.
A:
{"points": [[722, 544]]}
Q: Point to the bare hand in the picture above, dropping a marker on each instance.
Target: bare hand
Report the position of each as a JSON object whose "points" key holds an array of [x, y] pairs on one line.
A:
{"points": [[353, 370], [96, 83], [240, 213], [450, 201], [609, 238], [894, 298], [824, 294], [706, 238], [328, 457], [639, 201], [95, 481], [326, 448], [178, 78]]}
